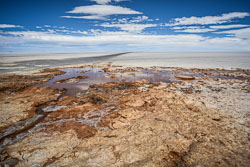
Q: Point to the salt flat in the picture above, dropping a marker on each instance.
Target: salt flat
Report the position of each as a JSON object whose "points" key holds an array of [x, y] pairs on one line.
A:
{"points": [[20, 62]]}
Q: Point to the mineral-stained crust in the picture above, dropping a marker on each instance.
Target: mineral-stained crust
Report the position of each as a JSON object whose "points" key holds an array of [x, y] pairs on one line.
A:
{"points": [[198, 122]]}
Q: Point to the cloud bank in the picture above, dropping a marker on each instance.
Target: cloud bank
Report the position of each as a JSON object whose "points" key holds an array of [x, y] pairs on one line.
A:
{"points": [[133, 32], [10, 26], [124, 40], [224, 18], [100, 11], [106, 1], [132, 28]]}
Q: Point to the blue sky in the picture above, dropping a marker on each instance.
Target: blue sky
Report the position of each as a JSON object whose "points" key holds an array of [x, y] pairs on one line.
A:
{"points": [[124, 25]]}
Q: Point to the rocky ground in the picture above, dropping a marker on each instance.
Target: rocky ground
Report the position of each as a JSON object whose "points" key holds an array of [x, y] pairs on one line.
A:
{"points": [[194, 120]]}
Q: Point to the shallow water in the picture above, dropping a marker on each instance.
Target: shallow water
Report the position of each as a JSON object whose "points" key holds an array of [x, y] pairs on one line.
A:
{"points": [[97, 76]]}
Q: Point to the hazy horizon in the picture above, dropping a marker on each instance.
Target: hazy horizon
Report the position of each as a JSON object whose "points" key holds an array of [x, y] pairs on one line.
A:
{"points": [[1, 53]]}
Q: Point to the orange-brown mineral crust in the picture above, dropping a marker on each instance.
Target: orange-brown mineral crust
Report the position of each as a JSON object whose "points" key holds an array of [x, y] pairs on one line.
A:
{"points": [[195, 121]]}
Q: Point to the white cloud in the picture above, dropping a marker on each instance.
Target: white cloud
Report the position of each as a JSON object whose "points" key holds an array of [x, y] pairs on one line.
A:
{"points": [[100, 11], [133, 28], [192, 29], [103, 10], [177, 28], [95, 17], [51, 31], [139, 19], [30, 34], [203, 29], [63, 27], [224, 18], [185, 27], [38, 27], [240, 33], [80, 32], [108, 39], [229, 26], [10, 26], [72, 32], [195, 30], [122, 20], [106, 1]]}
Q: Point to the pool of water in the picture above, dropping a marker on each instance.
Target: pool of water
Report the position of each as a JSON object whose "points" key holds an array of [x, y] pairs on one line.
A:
{"points": [[97, 76]]}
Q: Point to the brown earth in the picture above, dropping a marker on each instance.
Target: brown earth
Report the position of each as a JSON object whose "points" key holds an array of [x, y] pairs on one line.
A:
{"points": [[18, 101], [203, 122]]}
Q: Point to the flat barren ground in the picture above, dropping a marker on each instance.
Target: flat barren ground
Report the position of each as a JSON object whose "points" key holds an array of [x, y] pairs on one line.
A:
{"points": [[106, 115]]}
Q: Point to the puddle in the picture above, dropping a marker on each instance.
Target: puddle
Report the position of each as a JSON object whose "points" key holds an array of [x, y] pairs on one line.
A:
{"points": [[97, 76]]}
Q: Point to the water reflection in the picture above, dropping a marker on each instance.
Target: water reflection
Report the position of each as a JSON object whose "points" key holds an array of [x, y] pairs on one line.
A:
{"points": [[97, 76]]}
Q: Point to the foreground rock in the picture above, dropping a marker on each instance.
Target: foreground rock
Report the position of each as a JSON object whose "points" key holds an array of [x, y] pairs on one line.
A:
{"points": [[23, 105], [204, 122], [18, 101], [11, 83]]}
